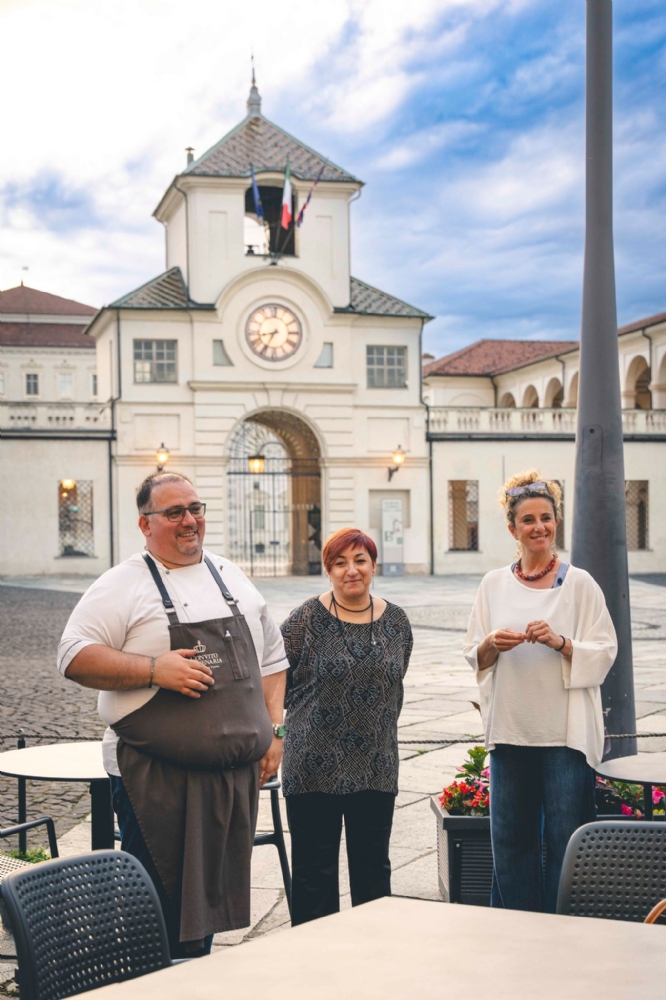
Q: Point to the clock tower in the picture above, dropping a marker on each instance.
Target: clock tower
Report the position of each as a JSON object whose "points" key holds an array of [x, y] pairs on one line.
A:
{"points": [[257, 344]]}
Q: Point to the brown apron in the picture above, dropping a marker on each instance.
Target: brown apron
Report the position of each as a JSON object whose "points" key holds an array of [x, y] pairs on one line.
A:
{"points": [[190, 769]]}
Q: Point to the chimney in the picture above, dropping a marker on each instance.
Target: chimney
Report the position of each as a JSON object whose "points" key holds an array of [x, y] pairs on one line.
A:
{"points": [[190, 154]]}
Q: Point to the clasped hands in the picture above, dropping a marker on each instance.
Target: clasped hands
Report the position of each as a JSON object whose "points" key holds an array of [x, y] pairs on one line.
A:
{"points": [[504, 639]]}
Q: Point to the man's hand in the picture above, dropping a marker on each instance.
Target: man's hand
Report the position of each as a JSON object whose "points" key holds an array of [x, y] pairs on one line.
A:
{"points": [[177, 671], [270, 762]]}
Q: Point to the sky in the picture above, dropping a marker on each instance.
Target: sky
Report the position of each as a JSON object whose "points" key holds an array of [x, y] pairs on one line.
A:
{"points": [[464, 118]]}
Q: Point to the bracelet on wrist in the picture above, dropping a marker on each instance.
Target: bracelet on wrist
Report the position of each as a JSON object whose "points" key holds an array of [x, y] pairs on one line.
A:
{"points": [[560, 648], [152, 671]]}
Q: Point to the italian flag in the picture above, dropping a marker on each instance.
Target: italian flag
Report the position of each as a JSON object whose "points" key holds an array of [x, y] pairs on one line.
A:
{"points": [[286, 199]]}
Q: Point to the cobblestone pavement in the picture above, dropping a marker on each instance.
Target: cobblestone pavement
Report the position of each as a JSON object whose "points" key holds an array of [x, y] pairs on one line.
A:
{"points": [[439, 696], [37, 699]]}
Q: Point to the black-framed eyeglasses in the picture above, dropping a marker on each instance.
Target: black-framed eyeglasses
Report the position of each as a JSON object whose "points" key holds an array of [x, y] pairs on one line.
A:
{"points": [[197, 510], [518, 491]]}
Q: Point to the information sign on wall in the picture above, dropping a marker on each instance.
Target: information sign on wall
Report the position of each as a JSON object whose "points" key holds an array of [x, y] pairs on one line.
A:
{"points": [[393, 558]]}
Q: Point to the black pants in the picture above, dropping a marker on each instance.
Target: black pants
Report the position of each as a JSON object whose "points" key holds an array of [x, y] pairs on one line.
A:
{"points": [[315, 824], [133, 843]]}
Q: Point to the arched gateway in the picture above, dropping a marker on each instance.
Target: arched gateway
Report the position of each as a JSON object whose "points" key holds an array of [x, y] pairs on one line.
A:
{"points": [[274, 496]]}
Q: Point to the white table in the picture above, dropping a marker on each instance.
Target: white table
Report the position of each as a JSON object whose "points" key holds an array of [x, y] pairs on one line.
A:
{"points": [[69, 762], [398, 949], [645, 769]]}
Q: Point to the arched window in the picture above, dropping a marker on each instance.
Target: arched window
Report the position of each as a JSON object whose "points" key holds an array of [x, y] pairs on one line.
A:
{"points": [[507, 401], [530, 398], [554, 394], [268, 236]]}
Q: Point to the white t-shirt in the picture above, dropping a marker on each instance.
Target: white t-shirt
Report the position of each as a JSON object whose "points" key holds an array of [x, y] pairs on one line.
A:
{"points": [[533, 696], [123, 610]]}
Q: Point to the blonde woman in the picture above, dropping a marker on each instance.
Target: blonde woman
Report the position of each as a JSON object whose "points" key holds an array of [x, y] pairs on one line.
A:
{"points": [[541, 642]]}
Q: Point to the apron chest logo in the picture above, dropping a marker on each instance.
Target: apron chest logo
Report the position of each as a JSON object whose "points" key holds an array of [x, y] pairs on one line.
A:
{"points": [[210, 659]]}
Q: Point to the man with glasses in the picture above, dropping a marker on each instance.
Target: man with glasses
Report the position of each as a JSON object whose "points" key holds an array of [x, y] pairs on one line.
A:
{"points": [[191, 673]]}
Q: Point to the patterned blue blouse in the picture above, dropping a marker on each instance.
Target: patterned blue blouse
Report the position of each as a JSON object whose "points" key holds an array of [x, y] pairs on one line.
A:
{"points": [[343, 700]]}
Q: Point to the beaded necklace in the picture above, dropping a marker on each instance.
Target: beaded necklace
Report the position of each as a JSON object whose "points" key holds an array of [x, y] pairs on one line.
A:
{"points": [[535, 576]]}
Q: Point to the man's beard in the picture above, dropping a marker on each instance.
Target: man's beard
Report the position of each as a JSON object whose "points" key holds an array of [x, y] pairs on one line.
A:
{"points": [[189, 544]]}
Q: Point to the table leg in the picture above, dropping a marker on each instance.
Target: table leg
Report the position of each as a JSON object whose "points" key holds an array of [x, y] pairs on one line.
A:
{"points": [[102, 815], [647, 802]]}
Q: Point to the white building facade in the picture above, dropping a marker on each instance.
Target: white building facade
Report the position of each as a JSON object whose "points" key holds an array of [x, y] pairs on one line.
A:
{"points": [[292, 394], [498, 407], [257, 343]]}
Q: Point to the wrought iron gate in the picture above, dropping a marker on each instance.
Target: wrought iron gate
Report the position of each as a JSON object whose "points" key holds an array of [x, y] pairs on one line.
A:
{"points": [[274, 514]]}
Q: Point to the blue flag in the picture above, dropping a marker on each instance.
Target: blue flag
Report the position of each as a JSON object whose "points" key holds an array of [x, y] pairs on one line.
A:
{"points": [[258, 207]]}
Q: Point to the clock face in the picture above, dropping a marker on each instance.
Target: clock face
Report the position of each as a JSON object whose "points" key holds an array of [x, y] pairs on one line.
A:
{"points": [[273, 332]]}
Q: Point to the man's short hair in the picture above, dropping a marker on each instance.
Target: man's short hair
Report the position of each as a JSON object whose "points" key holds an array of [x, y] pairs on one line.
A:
{"points": [[153, 480]]}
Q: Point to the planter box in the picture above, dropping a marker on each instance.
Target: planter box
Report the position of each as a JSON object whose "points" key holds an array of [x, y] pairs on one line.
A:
{"points": [[464, 857]]}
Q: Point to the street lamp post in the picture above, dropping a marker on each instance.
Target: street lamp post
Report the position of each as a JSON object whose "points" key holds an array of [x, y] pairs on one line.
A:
{"points": [[599, 531]]}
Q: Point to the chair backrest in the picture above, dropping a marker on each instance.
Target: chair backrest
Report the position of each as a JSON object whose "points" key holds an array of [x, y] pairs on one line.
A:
{"points": [[615, 870], [83, 922]]}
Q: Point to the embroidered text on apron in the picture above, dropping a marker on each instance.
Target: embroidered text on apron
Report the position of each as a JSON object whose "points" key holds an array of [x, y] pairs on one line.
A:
{"points": [[190, 769]]}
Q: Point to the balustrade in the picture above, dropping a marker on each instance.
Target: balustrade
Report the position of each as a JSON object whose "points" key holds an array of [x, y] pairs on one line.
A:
{"points": [[494, 420]]}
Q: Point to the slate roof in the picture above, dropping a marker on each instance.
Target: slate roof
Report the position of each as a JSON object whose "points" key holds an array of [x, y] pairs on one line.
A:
{"points": [[30, 300], [369, 301], [493, 357], [266, 146], [166, 291], [44, 335]]}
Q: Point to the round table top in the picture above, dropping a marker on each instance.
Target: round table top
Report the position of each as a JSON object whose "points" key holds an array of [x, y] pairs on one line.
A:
{"points": [[56, 762], [643, 768]]}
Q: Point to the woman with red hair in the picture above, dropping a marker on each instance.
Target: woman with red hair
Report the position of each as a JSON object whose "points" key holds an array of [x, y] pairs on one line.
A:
{"points": [[348, 652]]}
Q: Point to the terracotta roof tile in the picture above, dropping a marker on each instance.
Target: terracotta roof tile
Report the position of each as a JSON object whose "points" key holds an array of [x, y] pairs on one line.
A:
{"points": [[30, 300], [492, 357], [44, 335], [639, 324], [266, 146]]}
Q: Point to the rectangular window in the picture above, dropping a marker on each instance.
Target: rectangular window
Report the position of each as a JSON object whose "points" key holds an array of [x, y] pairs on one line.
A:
{"points": [[463, 515], [387, 367], [31, 384], [638, 513], [75, 517], [220, 356], [325, 359], [65, 385], [93, 385], [155, 361]]}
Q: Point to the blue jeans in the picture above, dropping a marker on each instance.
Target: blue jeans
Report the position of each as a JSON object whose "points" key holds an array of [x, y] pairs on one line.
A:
{"points": [[535, 791], [134, 844]]}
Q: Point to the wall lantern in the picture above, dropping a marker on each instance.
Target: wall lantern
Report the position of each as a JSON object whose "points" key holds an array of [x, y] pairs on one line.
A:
{"points": [[398, 458], [256, 464], [162, 456]]}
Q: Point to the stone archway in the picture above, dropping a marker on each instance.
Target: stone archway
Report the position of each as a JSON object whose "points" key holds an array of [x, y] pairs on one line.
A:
{"points": [[275, 505]]}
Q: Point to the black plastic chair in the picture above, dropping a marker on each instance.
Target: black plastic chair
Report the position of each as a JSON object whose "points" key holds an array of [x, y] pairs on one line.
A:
{"points": [[12, 831], [615, 870], [276, 838], [84, 922]]}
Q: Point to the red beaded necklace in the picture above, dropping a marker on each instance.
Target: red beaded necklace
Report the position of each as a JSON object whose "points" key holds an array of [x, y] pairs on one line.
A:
{"points": [[535, 576]]}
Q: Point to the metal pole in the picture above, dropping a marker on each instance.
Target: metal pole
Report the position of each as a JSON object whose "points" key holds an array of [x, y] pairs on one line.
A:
{"points": [[22, 803], [599, 532]]}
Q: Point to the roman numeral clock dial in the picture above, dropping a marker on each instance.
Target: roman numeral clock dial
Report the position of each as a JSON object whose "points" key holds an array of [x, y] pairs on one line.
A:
{"points": [[273, 332]]}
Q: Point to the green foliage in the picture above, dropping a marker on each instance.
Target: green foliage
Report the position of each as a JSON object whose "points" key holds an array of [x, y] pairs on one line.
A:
{"points": [[33, 855]]}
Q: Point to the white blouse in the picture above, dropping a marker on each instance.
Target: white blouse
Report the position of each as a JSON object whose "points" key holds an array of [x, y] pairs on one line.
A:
{"points": [[532, 695]]}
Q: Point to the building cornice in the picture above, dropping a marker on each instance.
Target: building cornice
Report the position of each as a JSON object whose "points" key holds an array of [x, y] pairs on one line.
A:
{"points": [[290, 387]]}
